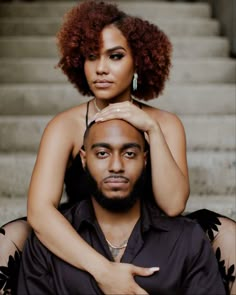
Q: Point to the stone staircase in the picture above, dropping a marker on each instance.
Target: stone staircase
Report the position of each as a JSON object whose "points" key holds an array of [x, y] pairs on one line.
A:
{"points": [[201, 91]]}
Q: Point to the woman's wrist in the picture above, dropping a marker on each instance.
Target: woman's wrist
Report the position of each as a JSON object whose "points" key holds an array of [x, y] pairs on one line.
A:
{"points": [[99, 269], [154, 128]]}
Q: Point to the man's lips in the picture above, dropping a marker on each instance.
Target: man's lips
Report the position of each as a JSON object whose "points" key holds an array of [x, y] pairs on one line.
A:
{"points": [[116, 179]]}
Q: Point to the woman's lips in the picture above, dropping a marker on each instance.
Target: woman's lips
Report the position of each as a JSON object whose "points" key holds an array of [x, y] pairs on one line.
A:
{"points": [[102, 84]]}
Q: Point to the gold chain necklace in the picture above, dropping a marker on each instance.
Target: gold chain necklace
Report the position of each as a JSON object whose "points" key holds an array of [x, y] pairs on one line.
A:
{"points": [[122, 246], [95, 105]]}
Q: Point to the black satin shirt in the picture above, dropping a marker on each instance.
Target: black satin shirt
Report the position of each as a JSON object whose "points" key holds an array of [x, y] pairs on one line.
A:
{"points": [[177, 245]]}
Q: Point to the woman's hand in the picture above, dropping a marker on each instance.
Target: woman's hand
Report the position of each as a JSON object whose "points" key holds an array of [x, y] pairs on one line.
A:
{"points": [[129, 112], [119, 278]]}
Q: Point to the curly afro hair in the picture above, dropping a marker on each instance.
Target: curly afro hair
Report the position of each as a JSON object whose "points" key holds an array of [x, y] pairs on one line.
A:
{"points": [[80, 35]]}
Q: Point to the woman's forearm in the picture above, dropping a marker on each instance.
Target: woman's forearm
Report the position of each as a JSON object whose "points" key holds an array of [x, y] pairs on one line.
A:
{"points": [[58, 235], [170, 184]]}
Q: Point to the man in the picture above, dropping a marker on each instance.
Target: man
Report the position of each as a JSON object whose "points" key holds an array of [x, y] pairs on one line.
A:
{"points": [[120, 222]]}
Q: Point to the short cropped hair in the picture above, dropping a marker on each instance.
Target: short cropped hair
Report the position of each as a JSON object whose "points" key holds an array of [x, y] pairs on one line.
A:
{"points": [[86, 133], [80, 33]]}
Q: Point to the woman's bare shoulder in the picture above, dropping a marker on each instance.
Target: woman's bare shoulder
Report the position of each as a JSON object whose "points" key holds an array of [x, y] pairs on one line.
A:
{"points": [[73, 117], [67, 128], [166, 119]]}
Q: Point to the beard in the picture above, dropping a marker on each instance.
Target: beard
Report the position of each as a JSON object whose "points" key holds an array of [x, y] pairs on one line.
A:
{"points": [[117, 204]]}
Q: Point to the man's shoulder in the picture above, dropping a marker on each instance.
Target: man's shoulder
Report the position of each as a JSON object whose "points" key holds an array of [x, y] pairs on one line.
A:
{"points": [[181, 223], [172, 223], [77, 213], [179, 226]]}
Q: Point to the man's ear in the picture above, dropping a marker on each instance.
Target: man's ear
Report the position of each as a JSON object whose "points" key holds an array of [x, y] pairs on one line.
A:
{"points": [[82, 153], [145, 158]]}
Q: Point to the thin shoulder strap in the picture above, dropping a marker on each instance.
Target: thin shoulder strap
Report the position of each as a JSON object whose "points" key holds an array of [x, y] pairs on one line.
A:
{"points": [[86, 117], [138, 103]]}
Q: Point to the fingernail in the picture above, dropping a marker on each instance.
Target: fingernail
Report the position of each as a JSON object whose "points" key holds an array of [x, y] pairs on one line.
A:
{"points": [[98, 119], [153, 269]]}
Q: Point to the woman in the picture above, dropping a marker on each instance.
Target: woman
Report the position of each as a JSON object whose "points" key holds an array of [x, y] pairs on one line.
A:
{"points": [[112, 57]]}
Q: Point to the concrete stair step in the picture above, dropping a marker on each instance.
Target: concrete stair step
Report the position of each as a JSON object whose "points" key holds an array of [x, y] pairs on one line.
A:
{"points": [[148, 8], [211, 173], [12, 208], [23, 133], [216, 70], [50, 26], [215, 132], [225, 205], [44, 47], [203, 99], [49, 99]]}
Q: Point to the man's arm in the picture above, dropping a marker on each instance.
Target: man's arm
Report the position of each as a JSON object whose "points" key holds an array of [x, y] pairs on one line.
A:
{"points": [[34, 276], [202, 274]]}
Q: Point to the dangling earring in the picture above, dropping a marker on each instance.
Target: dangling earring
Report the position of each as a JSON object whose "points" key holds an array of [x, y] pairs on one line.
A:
{"points": [[135, 82]]}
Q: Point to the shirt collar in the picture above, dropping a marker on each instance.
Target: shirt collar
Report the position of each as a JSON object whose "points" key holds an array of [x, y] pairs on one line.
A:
{"points": [[152, 216], [84, 213]]}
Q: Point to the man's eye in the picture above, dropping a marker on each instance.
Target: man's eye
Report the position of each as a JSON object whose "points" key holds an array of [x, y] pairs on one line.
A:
{"points": [[117, 56], [130, 154], [102, 154]]}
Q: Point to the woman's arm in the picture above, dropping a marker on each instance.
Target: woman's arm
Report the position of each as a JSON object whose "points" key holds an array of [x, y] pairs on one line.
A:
{"points": [[167, 152], [50, 226], [169, 164]]}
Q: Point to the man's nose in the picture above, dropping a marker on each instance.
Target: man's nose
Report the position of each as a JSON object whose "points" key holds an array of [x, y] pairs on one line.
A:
{"points": [[102, 66], [116, 164]]}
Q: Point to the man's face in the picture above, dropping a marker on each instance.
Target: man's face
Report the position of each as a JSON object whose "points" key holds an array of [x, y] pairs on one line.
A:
{"points": [[115, 159]]}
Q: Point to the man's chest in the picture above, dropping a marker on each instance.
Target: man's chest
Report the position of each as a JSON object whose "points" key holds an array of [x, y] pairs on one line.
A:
{"points": [[149, 253]]}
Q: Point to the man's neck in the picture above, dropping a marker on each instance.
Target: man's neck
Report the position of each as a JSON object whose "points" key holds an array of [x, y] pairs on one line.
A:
{"points": [[116, 218], [117, 227]]}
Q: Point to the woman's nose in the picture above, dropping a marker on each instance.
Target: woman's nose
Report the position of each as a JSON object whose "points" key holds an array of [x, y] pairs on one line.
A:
{"points": [[102, 67]]}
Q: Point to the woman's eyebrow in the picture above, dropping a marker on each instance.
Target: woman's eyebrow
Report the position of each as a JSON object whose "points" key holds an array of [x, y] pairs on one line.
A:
{"points": [[115, 48]]}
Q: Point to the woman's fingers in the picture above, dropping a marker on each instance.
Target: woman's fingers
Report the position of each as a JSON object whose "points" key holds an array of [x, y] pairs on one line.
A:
{"points": [[119, 279], [128, 112], [144, 272]]}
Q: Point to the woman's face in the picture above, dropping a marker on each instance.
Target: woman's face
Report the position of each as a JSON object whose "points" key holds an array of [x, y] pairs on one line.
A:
{"points": [[110, 73]]}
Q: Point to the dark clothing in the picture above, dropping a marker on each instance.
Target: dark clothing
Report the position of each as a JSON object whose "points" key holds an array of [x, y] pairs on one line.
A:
{"points": [[177, 245], [77, 189]]}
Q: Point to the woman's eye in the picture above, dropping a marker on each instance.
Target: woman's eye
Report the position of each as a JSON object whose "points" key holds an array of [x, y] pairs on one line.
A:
{"points": [[117, 56], [92, 57]]}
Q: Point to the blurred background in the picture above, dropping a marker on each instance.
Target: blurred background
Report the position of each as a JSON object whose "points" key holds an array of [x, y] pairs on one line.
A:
{"points": [[201, 91]]}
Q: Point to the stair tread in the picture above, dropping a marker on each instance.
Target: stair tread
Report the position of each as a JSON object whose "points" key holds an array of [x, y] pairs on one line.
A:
{"points": [[28, 46], [17, 207], [35, 8], [184, 70], [192, 93]]}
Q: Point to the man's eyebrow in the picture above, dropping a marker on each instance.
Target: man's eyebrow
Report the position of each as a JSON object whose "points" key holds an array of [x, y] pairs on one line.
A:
{"points": [[132, 145], [124, 146], [101, 144]]}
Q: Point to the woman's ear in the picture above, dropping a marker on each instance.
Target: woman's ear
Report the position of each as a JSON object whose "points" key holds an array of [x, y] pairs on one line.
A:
{"points": [[82, 153]]}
